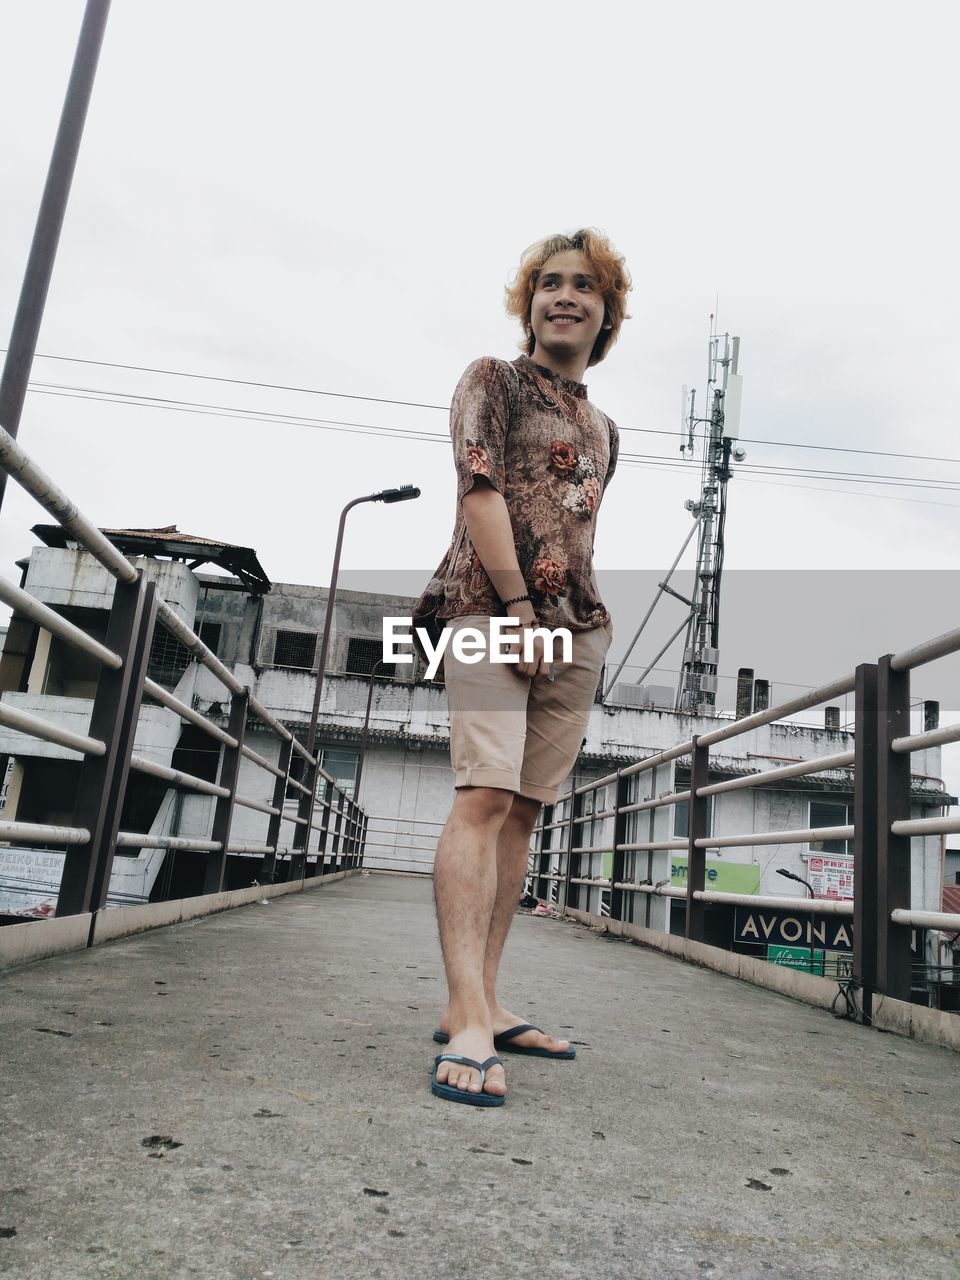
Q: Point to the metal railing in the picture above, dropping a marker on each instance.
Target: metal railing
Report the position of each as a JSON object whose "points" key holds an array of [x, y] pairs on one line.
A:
{"points": [[401, 844], [107, 751], [600, 819]]}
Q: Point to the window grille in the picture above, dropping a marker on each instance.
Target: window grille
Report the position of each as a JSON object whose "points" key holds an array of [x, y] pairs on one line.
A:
{"points": [[168, 657], [295, 649], [363, 653]]}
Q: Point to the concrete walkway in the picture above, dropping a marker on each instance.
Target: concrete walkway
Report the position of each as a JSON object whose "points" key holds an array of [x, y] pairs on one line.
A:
{"points": [[706, 1129]]}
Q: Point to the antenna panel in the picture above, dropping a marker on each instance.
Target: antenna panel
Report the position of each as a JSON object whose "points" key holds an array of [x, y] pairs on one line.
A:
{"points": [[731, 406]]}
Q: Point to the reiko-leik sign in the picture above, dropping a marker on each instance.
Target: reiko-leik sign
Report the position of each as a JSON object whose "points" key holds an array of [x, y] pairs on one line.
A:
{"points": [[784, 929]]}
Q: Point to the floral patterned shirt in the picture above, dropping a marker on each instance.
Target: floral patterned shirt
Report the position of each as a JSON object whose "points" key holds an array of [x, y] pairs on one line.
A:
{"points": [[538, 440]]}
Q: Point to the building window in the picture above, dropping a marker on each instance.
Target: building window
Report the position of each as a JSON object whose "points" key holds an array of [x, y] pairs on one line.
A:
{"points": [[210, 635], [363, 654], [295, 649], [681, 819], [341, 764], [831, 813]]}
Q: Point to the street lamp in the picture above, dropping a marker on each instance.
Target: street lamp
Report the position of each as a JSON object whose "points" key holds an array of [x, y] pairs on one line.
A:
{"points": [[405, 493], [789, 875]]}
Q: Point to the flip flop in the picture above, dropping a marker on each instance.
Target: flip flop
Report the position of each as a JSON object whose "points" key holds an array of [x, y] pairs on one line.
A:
{"points": [[504, 1039], [451, 1094]]}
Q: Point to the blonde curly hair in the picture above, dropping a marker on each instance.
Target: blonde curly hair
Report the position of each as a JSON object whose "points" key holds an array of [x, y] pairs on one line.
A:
{"points": [[613, 280]]}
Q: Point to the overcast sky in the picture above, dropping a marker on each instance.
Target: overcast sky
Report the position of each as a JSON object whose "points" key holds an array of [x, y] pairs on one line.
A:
{"points": [[332, 197]]}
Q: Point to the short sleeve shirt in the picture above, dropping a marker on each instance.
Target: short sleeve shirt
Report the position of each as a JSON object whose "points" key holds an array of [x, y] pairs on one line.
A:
{"points": [[539, 441]]}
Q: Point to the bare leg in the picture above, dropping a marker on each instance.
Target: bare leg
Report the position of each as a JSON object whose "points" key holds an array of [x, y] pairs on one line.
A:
{"points": [[513, 850], [513, 855], [465, 887]]}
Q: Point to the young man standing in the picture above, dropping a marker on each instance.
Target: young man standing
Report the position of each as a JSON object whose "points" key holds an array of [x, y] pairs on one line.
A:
{"points": [[533, 458]]}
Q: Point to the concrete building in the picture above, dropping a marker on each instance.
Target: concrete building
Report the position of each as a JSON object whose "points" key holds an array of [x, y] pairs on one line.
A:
{"points": [[269, 635]]}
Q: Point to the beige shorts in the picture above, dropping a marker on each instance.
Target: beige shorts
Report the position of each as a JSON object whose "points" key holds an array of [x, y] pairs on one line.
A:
{"points": [[509, 732]]}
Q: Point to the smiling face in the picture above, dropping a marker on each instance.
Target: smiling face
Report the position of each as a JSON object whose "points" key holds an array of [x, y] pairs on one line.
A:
{"points": [[567, 312]]}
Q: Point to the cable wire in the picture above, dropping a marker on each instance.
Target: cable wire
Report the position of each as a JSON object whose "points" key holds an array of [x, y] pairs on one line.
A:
{"points": [[415, 404], [238, 413]]}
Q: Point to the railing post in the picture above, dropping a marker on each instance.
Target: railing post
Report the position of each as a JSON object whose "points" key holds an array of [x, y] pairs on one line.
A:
{"points": [[276, 821], [893, 852], [323, 834], [351, 837], [358, 832], [305, 807], [621, 789], [336, 833], [363, 840], [541, 886], [865, 849], [354, 834], [696, 854], [216, 866], [103, 779], [571, 892], [347, 847]]}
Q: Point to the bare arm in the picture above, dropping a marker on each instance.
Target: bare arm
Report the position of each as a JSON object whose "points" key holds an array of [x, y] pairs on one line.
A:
{"points": [[490, 530]]}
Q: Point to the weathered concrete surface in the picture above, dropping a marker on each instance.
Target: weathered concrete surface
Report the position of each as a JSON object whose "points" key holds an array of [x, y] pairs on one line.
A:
{"points": [[286, 1047]]}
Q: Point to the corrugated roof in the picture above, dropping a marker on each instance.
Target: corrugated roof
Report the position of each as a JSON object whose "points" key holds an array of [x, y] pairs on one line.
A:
{"points": [[168, 532], [951, 899], [240, 561]]}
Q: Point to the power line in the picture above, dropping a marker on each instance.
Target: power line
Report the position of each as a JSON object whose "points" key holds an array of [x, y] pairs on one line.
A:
{"points": [[241, 382], [852, 477], [657, 462], [255, 415], [884, 497], [414, 404], [242, 415]]}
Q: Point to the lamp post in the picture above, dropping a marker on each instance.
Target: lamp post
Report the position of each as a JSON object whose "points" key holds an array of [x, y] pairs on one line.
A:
{"points": [[405, 493], [790, 875]]}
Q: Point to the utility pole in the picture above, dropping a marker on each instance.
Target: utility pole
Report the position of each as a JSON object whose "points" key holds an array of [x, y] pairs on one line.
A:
{"points": [[697, 688]]}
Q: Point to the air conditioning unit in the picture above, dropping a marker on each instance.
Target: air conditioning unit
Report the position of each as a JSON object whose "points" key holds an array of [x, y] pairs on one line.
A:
{"points": [[658, 696]]}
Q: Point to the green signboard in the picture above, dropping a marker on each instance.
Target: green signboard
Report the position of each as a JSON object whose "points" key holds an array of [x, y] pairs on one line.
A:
{"points": [[726, 877], [796, 958]]}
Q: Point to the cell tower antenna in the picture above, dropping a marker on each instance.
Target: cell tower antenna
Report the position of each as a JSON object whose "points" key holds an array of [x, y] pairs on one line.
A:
{"points": [[697, 688]]}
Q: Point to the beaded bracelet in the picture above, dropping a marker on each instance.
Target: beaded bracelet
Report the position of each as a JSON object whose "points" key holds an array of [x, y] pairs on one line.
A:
{"points": [[515, 600]]}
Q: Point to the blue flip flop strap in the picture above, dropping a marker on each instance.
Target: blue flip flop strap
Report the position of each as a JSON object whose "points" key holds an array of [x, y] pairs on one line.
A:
{"points": [[482, 1067], [517, 1031]]}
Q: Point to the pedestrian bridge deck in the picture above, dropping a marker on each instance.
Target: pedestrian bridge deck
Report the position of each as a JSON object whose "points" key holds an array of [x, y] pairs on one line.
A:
{"points": [[708, 1128]]}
